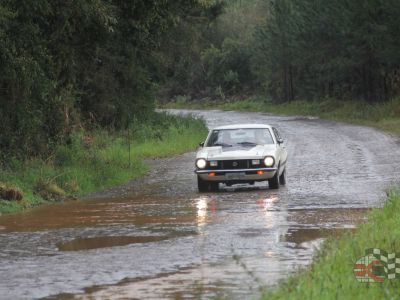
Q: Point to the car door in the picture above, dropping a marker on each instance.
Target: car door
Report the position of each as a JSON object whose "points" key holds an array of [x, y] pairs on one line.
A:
{"points": [[281, 147]]}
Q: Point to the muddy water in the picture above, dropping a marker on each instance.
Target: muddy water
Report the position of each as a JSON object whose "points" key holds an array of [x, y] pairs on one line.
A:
{"points": [[157, 238]]}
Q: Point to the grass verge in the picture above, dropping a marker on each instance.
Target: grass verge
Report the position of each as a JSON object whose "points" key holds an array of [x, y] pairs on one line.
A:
{"points": [[385, 116], [96, 160]]}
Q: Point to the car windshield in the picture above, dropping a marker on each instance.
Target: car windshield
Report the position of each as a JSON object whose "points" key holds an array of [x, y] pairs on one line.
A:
{"points": [[240, 137]]}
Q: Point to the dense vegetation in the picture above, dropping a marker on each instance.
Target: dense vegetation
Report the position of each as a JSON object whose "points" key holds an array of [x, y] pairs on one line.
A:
{"points": [[77, 86], [289, 50], [341, 49], [212, 56], [79, 64]]}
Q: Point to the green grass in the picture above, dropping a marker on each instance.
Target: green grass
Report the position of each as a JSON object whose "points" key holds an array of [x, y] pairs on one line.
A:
{"points": [[331, 275], [385, 116], [98, 159]]}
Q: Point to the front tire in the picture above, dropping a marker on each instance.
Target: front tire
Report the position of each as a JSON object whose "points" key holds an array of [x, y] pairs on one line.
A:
{"points": [[202, 185], [282, 178], [205, 186], [214, 186], [274, 181]]}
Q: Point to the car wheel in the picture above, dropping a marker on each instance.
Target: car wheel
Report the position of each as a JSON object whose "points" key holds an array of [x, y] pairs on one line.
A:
{"points": [[205, 186], [202, 185], [282, 178], [214, 186], [274, 181]]}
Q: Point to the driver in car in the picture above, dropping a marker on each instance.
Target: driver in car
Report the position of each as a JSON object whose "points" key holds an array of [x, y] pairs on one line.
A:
{"points": [[260, 137], [225, 138]]}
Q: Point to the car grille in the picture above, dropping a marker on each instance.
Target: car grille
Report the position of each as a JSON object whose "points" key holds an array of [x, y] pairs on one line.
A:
{"points": [[235, 164]]}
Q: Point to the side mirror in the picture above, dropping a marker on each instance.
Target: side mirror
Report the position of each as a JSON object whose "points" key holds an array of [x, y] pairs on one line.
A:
{"points": [[201, 144], [280, 141]]}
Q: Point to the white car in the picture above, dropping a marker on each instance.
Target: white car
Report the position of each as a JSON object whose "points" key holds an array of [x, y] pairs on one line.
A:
{"points": [[243, 153]]}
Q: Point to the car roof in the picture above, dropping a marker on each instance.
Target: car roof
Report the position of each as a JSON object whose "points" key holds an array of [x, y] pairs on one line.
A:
{"points": [[242, 126]]}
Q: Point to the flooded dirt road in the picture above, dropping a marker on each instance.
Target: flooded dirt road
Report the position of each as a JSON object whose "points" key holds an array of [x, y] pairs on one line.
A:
{"points": [[158, 238]]}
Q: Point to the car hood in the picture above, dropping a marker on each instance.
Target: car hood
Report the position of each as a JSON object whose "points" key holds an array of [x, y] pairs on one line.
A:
{"points": [[240, 152]]}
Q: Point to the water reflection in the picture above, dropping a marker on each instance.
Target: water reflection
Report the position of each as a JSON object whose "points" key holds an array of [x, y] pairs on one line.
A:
{"points": [[269, 208], [204, 205], [300, 236], [268, 202], [106, 242], [201, 205]]}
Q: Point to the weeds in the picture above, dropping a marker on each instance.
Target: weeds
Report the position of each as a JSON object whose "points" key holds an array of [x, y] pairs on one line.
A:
{"points": [[10, 193]]}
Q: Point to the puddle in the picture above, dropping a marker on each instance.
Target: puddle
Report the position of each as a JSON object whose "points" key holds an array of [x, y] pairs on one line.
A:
{"points": [[197, 282], [234, 243], [302, 235], [329, 217], [126, 211], [252, 232], [106, 241]]}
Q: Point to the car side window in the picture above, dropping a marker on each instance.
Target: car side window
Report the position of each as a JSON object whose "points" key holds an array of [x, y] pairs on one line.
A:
{"points": [[276, 133], [213, 138]]}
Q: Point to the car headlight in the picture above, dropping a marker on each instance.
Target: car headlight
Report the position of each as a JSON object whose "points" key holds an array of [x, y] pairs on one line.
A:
{"points": [[269, 161], [201, 163]]}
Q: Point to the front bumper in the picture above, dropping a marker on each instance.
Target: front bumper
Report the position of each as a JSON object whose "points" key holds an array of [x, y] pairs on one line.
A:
{"points": [[245, 174]]}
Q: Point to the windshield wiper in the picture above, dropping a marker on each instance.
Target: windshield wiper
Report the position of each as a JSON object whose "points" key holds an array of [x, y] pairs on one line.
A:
{"points": [[222, 145], [247, 144]]}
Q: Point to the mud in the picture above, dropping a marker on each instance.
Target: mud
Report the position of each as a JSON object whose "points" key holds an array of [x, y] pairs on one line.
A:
{"points": [[158, 238]]}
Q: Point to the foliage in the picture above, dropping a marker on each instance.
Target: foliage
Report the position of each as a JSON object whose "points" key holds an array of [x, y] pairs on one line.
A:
{"points": [[68, 64], [208, 54], [319, 48], [287, 49]]}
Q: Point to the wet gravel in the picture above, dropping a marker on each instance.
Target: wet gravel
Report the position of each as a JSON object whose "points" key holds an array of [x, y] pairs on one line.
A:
{"points": [[158, 238]]}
